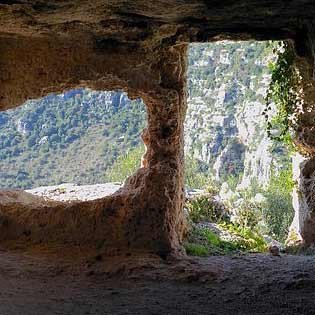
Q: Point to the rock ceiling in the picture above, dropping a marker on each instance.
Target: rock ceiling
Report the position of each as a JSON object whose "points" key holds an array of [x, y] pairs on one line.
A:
{"points": [[136, 21]]}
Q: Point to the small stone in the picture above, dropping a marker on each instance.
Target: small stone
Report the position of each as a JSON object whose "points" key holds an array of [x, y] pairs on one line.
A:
{"points": [[274, 250]]}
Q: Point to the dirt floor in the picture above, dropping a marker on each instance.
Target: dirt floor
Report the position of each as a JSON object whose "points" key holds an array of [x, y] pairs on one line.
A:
{"points": [[44, 284]]}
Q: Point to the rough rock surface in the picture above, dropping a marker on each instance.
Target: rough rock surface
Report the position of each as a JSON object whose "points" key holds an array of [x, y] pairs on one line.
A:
{"points": [[77, 43], [20, 197], [139, 47], [305, 141], [145, 285], [224, 125], [147, 212]]}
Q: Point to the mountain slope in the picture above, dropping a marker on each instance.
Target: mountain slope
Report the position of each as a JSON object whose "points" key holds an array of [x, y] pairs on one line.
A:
{"points": [[71, 137]]}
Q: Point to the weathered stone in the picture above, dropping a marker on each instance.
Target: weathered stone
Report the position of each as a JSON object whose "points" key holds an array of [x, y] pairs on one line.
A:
{"points": [[298, 201], [146, 214], [303, 226], [306, 211], [140, 47]]}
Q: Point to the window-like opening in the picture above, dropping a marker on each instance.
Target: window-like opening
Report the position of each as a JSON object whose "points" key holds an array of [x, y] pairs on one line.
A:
{"points": [[238, 180], [80, 137]]}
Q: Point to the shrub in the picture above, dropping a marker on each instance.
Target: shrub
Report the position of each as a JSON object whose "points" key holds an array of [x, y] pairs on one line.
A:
{"points": [[247, 239], [277, 210], [248, 215], [196, 249], [204, 242], [211, 188], [125, 166], [195, 173], [206, 208]]}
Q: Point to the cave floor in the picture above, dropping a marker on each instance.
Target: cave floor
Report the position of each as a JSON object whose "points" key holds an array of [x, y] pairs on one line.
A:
{"points": [[32, 283]]}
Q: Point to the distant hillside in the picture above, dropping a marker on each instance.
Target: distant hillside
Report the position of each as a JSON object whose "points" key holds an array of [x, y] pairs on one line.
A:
{"points": [[71, 137]]}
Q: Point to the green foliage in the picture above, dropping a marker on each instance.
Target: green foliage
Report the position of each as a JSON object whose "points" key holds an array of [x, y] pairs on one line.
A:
{"points": [[233, 181], [204, 242], [205, 208], [248, 239], [125, 165], [212, 188], [196, 250], [277, 210], [274, 214], [293, 238], [71, 137], [248, 215], [211, 237], [62, 190], [195, 173], [283, 92]]}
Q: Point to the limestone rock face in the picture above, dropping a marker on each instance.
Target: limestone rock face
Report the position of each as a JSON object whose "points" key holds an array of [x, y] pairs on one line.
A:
{"points": [[298, 199], [224, 125], [304, 221], [303, 224], [139, 47]]}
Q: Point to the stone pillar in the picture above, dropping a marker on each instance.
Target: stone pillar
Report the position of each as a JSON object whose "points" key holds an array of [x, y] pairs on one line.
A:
{"points": [[157, 219], [298, 201], [306, 196], [303, 226]]}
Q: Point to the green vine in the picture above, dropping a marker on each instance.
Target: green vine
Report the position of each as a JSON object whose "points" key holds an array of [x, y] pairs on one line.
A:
{"points": [[282, 92]]}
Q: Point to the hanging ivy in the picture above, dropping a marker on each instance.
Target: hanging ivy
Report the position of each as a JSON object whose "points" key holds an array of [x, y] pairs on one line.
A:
{"points": [[282, 92]]}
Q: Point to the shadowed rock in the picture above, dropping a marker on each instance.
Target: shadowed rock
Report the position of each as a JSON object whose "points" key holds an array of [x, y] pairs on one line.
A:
{"points": [[139, 47]]}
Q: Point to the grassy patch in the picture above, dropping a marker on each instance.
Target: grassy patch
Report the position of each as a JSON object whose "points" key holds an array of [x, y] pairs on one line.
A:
{"points": [[204, 242], [196, 250], [248, 240]]}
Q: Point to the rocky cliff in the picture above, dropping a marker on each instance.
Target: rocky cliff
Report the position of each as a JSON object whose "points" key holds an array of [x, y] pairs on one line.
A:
{"points": [[225, 126]]}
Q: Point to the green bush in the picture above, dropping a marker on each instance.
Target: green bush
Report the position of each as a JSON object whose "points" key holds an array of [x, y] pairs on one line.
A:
{"points": [[277, 210], [211, 188], [195, 173], [125, 166], [248, 240], [283, 92], [248, 215], [205, 208], [204, 242]]}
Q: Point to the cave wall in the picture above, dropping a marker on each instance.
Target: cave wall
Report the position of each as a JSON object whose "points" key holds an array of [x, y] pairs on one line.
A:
{"points": [[141, 48], [146, 214], [303, 226]]}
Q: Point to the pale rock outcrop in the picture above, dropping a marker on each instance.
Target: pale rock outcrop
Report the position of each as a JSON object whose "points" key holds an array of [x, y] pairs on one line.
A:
{"points": [[298, 200]]}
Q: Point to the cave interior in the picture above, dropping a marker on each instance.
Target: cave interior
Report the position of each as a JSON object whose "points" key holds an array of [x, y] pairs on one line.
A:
{"points": [[139, 47]]}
